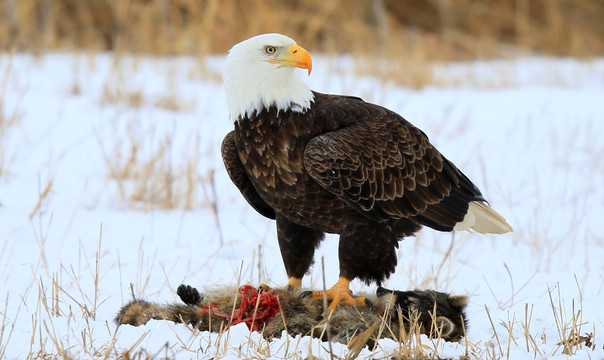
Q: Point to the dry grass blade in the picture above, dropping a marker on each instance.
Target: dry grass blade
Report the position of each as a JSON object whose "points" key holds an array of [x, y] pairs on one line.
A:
{"points": [[358, 342], [5, 122], [568, 330], [5, 332], [111, 345], [136, 343], [214, 207], [284, 326], [510, 328], [530, 341], [573, 341], [384, 323], [4, 84], [97, 265], [151, 173], [328, 315], [494, 330], [446, 257]]}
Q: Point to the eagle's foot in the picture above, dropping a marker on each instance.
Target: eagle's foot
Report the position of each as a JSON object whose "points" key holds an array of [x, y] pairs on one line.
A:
{"points": [[294, 283], [263, 287], [338, 294]]}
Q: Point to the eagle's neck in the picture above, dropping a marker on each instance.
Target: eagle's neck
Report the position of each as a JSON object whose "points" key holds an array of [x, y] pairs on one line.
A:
{"points": [[253, 91]]}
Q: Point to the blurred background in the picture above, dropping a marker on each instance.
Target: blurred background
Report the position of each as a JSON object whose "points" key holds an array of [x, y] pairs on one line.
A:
{"points": [[412, 29]]}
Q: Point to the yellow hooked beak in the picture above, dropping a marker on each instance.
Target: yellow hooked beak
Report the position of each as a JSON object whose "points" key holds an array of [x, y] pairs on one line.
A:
{"points": [[297, 57]]}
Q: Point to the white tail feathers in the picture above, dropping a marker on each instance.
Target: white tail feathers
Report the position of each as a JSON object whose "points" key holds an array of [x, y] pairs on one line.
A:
{"points": [[483, 219]]}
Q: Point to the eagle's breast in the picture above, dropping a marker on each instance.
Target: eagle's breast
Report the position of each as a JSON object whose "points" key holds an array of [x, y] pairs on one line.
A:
{"points": [[271, 148]]}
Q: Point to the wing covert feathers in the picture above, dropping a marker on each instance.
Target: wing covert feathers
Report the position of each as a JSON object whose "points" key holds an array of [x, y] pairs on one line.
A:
{"points": [[483, 219], [240, 178]]}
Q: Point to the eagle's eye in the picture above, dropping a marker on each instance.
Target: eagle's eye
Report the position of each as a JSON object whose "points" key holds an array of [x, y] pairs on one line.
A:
{"points": [[270, 50]]}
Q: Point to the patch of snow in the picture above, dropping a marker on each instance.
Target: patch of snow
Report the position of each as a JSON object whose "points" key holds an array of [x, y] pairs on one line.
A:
{"points": [[531, 142]]}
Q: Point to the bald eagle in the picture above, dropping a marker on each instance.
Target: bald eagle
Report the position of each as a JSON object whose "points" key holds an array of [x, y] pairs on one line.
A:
{"points": [[319, 163]]}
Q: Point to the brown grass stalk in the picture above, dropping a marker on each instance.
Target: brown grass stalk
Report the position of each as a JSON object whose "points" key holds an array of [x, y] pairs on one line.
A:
{"points": [[569, 330], [6, 121], [486, 308], [6, 331]]}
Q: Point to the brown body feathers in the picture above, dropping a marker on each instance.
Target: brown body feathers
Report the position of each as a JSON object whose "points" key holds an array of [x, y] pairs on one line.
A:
{"points": [[351, 168]]}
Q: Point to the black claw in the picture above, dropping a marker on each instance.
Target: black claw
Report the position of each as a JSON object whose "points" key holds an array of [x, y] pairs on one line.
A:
{"points": [[188, 294], [369, 304], [319, 318], [305, 294]]}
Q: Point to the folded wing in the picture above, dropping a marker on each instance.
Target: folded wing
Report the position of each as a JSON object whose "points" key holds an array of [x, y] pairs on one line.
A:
{"points": [[386, 168]]}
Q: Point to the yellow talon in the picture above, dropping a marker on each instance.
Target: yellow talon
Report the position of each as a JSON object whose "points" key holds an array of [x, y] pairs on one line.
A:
{"points": [[294, 283], [338, 294], [264, 287]]}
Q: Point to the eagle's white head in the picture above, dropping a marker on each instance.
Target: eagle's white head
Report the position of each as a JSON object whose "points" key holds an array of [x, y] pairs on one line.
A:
{"points": [[259, 72]]}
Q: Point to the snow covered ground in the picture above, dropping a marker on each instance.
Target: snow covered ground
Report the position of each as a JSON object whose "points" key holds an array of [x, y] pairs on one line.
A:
{"points": [[111, 184]]}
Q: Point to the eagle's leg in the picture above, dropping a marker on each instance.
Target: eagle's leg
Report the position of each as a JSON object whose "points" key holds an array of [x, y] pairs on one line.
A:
{"points": [[366, 252], [297, 244], [294, 283], [339, 293]]}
